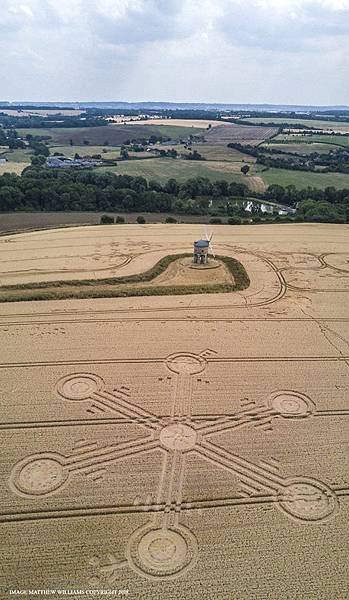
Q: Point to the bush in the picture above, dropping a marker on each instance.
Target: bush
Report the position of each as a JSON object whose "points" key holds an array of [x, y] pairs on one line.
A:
{"points": [[256, 219], [170, 220], [140, 220], [216, 221], [120, 219], [106, 220], [234, 221]]}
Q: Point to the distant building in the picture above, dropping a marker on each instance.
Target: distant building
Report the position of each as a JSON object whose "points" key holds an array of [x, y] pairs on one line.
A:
{"points": [[171, 143], [270, 208], [60, 162], [3, 160], [286, 210]]}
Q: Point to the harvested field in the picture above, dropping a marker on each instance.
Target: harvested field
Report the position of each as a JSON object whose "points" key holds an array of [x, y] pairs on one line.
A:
{"points": [[256, 183], [18, 222], [181, 446], [224, 134], [201, 123], [13, 167]]}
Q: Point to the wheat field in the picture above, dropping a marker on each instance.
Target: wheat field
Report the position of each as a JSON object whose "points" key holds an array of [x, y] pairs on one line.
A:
{"points": [[178, 447]]}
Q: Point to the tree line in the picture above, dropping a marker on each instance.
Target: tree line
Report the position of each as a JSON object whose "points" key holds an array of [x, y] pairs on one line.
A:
{"points": [[41, 189], [334, 161], [53, 190], [42, 122]]}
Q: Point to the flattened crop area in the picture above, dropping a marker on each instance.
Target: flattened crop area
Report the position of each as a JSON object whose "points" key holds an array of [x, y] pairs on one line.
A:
{"points": [[182, 447]]}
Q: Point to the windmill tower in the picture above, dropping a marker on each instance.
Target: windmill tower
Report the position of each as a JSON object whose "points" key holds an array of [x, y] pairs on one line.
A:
{"points": [[201, 249]]}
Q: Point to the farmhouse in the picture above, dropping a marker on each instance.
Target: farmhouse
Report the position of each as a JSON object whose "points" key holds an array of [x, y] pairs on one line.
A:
{"points": [[60, 162]]}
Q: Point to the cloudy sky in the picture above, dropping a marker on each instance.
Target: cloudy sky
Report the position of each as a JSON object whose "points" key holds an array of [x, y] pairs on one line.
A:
{"points": [[277, 51]]}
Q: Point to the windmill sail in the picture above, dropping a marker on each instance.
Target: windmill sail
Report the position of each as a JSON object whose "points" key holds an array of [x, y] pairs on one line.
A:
{"points": [[211, 247], [209, 239]]}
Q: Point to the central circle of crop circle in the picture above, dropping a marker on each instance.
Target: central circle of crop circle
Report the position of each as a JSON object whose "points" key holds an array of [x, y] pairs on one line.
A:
{"points": [[185, 363], [162, 549], [41, 475], [162, 553], [178, 437]]}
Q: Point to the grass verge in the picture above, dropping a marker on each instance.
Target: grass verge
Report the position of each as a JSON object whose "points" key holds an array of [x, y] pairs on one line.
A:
{"points": [[116, 287]]}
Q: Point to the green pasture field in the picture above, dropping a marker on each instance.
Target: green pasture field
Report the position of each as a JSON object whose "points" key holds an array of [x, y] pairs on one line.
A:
{"points": [[301, 147], [314, 124], [303, 138], [304, 179], [163, 169], [18, 156], [58, 135]]}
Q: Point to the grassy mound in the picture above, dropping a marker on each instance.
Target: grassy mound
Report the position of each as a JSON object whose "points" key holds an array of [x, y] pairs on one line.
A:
{"points": [[116, 287]]}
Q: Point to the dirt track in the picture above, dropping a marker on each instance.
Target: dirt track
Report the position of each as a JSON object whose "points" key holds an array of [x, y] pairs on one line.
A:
{"points": [[182, 447]]}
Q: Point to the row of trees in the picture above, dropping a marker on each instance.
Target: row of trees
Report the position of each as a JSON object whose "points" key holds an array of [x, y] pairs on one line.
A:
{"points": [[291, 196], [40, 189], [336, 160], [40, 122]]}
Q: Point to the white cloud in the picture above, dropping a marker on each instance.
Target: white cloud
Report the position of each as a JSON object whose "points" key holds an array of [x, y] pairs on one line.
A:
{"points": [[289, 51]]}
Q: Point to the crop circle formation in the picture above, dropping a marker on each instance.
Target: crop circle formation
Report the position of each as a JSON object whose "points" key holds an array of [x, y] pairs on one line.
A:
{"points": [[178, 437], [79, 386], [162, 552], [307, 500], [40, 475], [291, 404], [186, 363]]}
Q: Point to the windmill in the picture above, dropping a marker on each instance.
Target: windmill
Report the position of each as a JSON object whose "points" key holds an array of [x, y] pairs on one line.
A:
{"points": [[201, 249]]}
